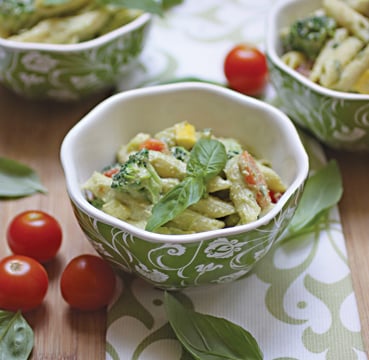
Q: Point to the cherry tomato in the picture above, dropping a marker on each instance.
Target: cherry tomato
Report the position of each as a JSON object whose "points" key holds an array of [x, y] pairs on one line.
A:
{"points": [[245, 68], [87, 283], [23, 283], [153, 144], [111, 172], [35, 234], [275, 196]]}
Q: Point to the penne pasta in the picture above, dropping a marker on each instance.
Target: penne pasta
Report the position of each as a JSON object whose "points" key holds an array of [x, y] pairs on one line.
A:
{"points": [[294, 59], [65, 30], [341, 55], [274, 182], [242, 197], [217, 183], [361, 6], [98, 184], [353, 71], [326, 53], [213, 207], [230, 197], [342, 62], [167, 166], [347, 17], [115, 208], [193, 221]]}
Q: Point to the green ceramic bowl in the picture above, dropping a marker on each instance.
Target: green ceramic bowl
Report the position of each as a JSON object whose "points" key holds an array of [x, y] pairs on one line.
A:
{"points": [[178, 261], [339, 120], [72, 71]]}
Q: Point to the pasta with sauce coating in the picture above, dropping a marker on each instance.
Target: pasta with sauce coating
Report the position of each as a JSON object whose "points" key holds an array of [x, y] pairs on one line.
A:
{"points": [[342, 62], [237, 195]]}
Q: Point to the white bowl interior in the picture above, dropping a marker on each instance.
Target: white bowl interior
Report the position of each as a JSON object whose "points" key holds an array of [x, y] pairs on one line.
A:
{"points": [[93, 142], [283, 14]]}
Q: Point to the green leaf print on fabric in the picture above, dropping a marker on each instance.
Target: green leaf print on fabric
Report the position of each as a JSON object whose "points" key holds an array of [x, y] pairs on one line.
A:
{"points": [[328, 342], [128, 305], [331, 295]]}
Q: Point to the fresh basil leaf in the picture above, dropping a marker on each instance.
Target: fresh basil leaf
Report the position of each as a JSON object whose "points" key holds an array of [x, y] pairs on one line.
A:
{"points": [[208, 337], [16, 336], [185, 194], [17, 179], [208, 157], [322, 191], [151, 6]]}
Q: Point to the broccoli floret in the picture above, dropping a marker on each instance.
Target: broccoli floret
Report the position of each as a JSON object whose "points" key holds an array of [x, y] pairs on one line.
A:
{"points": [[98, 203], [180, 153], [138, 178], [309, 35]]}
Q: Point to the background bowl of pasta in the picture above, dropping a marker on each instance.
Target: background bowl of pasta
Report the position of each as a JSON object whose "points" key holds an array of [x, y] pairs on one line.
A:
{"points": [[67, 50], [218, 238], [318, 56]]}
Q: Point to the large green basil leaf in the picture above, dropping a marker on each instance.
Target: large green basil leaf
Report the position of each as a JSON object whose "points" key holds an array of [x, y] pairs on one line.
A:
{"points": [[322, 190], [16, 336], [185, 194], [208, 337], [17, 179], [208, 158]]}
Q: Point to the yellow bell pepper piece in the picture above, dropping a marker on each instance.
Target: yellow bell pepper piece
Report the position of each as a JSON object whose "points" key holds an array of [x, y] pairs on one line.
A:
{"points": [[185, 135]]}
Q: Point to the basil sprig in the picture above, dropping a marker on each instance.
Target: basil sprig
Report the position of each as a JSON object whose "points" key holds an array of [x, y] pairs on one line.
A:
{"points": [[208, 337], [207, 159], [16, 336], [17, 179]]}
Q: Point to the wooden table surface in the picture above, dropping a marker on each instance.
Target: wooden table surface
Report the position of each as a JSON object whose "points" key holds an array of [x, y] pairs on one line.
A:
{"points": [[32, 132]]}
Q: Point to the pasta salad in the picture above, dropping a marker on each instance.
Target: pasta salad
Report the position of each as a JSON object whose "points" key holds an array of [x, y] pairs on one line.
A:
{"points": [[331, 45], [60, 22], [182, 180]]}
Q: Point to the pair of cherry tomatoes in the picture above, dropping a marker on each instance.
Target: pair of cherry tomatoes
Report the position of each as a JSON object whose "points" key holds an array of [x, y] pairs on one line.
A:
{"points": [[34, 237], [246, 70], [87, 282]]}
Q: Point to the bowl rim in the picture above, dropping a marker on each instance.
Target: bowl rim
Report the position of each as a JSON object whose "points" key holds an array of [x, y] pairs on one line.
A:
{"points": [[271, 50], [82, 46], [79, 200]]}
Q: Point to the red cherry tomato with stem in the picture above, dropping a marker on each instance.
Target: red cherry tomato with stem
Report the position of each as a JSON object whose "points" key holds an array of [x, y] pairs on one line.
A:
{"points": [[36, 234], [246, 70], [87, 283], [23, 283]]}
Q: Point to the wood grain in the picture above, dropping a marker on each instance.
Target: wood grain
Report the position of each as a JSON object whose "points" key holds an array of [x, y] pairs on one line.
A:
{"points": [[32, 132], [354, 211]]}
